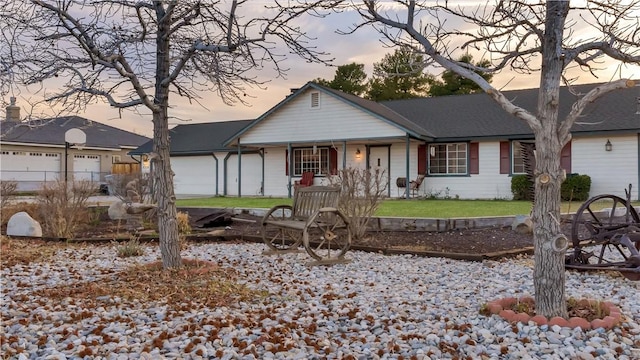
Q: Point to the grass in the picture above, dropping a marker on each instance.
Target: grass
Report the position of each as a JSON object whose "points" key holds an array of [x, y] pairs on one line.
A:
{"points": [[394, 207]]}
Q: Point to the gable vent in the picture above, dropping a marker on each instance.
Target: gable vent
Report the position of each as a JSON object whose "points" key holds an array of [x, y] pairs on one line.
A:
{"points": [[315, 100]]}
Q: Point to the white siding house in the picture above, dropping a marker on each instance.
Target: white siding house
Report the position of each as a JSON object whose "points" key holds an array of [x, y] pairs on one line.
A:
{"points": [[466, 146]]}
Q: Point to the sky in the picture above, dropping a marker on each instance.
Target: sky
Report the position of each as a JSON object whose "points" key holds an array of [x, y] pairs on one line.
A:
{"points": [[362, 47]]}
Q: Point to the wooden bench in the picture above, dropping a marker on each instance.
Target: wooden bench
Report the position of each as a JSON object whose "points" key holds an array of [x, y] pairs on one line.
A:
{"points": [[313, 221]]}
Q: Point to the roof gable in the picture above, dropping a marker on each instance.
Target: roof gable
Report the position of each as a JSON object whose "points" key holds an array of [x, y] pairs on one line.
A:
{"points": [[380, 112]]}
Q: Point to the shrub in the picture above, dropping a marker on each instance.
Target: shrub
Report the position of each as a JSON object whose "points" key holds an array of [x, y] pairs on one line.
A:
{"points": [[63, 207], [521, 187], [362, 190], [131, 248], [183, 223], [576, 187], [7, 192]]}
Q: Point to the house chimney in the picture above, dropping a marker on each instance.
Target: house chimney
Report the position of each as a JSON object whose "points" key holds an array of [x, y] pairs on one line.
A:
{"points": [[13, 111]]}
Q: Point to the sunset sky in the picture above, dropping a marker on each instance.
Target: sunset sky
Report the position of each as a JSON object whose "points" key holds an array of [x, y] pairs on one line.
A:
{"points": [[362, 47]]}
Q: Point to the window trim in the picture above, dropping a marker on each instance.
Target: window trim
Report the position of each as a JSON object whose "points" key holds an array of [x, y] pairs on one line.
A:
{"points": [[319, 149], [512, 154], [447, 174]]}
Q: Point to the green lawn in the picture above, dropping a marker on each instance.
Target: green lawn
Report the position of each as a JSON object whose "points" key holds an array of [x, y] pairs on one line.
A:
{"points": [[394, 207]]}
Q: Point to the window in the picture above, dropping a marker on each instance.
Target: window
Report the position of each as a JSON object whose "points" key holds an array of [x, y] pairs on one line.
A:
{"points": [[315, 100], [448, 159], [517, 153], [115, 159], [308, 159]]}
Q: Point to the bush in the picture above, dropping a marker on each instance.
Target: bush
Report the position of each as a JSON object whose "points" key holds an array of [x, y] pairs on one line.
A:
{"points": [[183, 223], [63, 207], [576, 187], [131, 248], [521, 187], [7, 192], [362, 190]]}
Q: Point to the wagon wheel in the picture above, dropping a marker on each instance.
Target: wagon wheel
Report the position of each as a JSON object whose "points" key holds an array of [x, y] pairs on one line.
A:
{"points": [[327, 236], [597, 221], [278, 238], [591, 223]]}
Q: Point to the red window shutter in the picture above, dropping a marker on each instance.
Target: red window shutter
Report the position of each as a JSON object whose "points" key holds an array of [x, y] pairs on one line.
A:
{"points": [[286, 162], [565, 158], [422, 159], [333, 161], [474, 162], [505, 161]]}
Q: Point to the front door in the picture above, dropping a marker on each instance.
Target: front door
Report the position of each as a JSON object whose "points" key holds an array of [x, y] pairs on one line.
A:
{"points": [[379, 161]]}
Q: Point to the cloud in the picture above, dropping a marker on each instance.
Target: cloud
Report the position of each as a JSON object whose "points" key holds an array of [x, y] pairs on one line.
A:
{"points": [[363, 46]]}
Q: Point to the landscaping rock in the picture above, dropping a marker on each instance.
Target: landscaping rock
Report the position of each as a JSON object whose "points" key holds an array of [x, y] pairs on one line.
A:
{"points": [[522, 224], [21, 224], [118, 211]]}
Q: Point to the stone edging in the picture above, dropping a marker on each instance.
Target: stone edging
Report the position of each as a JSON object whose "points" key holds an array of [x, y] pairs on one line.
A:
{"points": [[502, 307]]}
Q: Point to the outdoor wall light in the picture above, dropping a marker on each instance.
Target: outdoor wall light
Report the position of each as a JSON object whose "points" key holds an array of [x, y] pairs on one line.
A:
{"points": [[358, 153], [608, 146]]}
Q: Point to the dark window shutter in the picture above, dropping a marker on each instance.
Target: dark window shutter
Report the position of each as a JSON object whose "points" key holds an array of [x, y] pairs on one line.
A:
{"points": [[333, 161], [505, 161], [286, 162], [474, 163], [565, 158], [422, 159]]}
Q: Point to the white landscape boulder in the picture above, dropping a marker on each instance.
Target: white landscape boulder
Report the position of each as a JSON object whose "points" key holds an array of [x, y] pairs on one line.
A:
{"points": [[118, 211], [21, 224]]}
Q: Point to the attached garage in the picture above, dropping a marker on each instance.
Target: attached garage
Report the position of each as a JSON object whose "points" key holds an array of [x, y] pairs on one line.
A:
{"points": [[194, 175], [30, 168], [86, 167], [251, 175]]}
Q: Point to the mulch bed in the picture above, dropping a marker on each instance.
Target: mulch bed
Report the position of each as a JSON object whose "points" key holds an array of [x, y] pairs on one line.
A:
{"points": [[466, 241]]}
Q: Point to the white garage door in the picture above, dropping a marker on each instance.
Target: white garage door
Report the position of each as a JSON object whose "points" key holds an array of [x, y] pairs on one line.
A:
{"points": [[194, 175], [29, 166], [251, 175], [86, 167]]}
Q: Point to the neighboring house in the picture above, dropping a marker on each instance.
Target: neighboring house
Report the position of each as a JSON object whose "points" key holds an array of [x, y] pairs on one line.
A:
{"points": [[36, 152], [466, 145], [204, 166]]}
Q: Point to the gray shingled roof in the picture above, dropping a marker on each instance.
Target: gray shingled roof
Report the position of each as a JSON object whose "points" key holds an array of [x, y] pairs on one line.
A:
{"points": [[479, 116], [52, 131], [198, 139]]}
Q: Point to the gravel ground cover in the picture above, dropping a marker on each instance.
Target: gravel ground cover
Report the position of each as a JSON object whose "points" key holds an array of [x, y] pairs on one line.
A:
{"points": [[376, 306]]}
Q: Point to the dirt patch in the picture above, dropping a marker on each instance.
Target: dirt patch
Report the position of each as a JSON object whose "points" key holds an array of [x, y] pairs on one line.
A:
{"points": [[468, 241]]}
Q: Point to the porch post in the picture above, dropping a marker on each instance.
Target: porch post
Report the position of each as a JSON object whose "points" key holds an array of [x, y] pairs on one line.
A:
{"points": [[408, 181], [217, 172], [262, 183], [344, 155], [290, 164], [239, 169]]}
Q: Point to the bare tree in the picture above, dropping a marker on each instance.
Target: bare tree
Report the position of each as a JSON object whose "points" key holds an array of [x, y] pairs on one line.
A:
{"points": [[136, 54], [524, 36]]}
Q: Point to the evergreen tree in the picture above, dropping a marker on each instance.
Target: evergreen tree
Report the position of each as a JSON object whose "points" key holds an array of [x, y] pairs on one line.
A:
{"points": [[454, 84], [349, 78], [399, 76]]}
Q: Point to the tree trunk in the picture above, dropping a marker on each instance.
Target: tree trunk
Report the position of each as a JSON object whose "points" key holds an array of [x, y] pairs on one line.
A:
{"points": [[162, 174], [549, 242]]}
